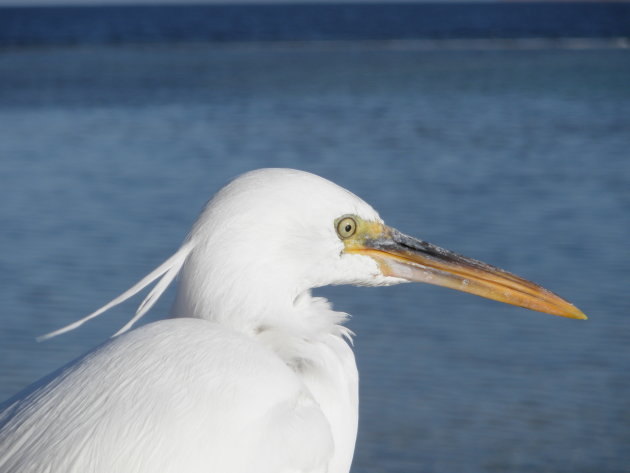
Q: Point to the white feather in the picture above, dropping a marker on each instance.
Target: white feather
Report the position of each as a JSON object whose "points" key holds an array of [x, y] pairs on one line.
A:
{"points": [[179, 395], [166, 272]]}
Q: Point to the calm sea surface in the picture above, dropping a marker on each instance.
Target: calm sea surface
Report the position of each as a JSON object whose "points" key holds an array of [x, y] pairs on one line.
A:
{"points": [[517, 157]]}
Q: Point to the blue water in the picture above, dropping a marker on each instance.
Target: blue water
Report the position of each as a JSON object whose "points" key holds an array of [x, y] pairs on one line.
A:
{"points": [[313, 21], [516, 157]]}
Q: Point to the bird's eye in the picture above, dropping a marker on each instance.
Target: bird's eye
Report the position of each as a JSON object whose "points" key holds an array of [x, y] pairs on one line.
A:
{"points": [[346, 227]]}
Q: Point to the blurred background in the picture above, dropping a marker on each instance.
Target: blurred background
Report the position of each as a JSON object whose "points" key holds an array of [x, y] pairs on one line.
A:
{"points": [[498, 130]]}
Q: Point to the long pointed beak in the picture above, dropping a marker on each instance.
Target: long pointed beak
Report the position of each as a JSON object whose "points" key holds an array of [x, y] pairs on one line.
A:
{"points": [[401, 256]]}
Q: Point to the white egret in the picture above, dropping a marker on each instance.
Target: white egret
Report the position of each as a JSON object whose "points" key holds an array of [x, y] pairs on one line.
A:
{"points": [[253, 374]]}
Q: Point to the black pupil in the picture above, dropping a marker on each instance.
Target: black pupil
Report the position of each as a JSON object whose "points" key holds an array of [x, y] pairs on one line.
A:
{"points": [[348, 228]]}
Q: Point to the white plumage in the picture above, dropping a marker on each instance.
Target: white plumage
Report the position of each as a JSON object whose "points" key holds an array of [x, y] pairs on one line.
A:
{"points": [[252, 374]]}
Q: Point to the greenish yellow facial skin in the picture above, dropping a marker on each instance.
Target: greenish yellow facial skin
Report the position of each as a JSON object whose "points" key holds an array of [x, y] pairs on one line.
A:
{"points": [[364, 232], [364, 238]]}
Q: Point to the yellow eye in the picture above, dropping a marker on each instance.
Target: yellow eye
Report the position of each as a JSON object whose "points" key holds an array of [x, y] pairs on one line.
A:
{"points": [[346, 227]]}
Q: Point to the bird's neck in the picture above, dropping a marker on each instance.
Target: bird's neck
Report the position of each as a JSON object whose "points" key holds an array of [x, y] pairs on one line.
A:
{"points": [[265, 314], [276, 308], [292, 330]]}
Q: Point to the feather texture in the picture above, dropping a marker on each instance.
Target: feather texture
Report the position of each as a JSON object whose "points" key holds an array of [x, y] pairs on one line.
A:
{"points": [[176, 395]]}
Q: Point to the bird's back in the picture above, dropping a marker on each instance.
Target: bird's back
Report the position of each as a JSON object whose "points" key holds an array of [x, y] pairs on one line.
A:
{"points": [[176, 395]]}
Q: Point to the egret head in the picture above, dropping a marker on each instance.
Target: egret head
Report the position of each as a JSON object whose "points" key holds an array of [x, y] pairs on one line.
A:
{"points": [[272, 234], [265, 239]]}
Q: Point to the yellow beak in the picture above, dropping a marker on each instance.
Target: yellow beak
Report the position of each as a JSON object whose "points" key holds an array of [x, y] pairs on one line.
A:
{"points": [[401, 256]]}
